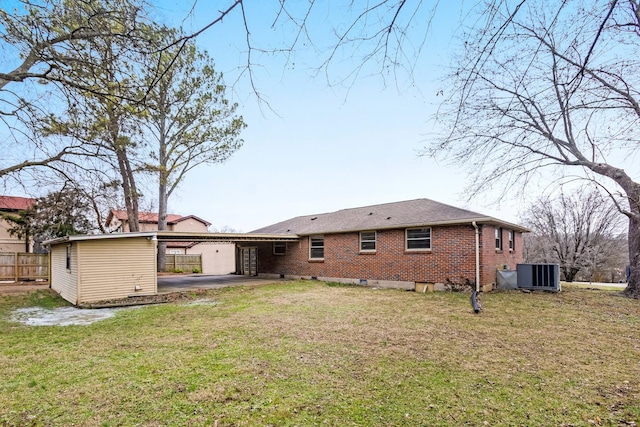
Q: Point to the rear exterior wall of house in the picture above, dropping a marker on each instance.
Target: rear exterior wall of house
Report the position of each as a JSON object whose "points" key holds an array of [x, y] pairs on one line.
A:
{"points": [[451, 257], [499, 255]]}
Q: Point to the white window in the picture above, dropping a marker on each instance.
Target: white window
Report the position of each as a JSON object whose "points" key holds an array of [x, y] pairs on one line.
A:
{"points": [[499, 238], [316, 247], [511, 240], [418, 238], [279, 248], [367, 241]]}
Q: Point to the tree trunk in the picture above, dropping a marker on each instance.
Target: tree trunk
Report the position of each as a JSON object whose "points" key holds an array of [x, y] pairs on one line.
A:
{"points": [[162, 199], [133, 215], [633, 287], [130, 200], [632, 193], [162, 222], [119, 146]]}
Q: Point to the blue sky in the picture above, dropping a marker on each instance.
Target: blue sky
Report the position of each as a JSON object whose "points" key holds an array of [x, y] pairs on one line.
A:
{"points": [[323, 147], [320, 145]]}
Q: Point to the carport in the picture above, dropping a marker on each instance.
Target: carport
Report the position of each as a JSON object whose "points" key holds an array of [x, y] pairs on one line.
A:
{"points": [[246, 257], [90, 268]]}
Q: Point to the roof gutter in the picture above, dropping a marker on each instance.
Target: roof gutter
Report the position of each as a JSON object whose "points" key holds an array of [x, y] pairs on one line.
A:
{"points": [[477, 255], [150, 235]]}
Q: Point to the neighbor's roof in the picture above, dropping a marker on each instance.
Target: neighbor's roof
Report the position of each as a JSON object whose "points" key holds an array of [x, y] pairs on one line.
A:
{"points": [[151, 217], [12, 203], [411, 213]]}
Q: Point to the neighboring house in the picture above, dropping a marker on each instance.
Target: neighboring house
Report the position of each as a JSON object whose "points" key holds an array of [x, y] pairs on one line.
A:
{"points": [[13, 205], [217, 257], [393, 245], [117, 222]]}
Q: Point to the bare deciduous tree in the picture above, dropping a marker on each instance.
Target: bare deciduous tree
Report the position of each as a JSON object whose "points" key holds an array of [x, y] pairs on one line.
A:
{"points": [[45, 42], [577, 231], [546, 86]]}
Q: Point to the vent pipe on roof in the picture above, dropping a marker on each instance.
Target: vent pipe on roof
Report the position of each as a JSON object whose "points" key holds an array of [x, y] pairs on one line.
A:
{"points": [[477, 255]]}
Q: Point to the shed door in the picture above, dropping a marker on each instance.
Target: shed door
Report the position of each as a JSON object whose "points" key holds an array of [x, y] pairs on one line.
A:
{"points": [[249, 264]]}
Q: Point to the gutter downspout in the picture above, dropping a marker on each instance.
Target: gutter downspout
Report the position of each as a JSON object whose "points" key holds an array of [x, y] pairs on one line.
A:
{"points": [[477, 255]]}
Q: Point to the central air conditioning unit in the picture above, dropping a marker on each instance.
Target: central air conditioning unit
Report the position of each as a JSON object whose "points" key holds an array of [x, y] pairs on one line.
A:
{"points": [[545, 277]]}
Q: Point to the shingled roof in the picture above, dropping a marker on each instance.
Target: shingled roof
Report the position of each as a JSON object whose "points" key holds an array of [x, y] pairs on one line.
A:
{"points": [[411, 213]]}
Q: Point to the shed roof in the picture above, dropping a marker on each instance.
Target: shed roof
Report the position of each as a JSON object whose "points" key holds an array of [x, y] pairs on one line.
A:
{"points": [[13, 203], [410, 213]]}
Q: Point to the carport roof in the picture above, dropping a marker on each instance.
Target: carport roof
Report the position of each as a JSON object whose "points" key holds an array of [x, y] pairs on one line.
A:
{"points": [[186, 236], [181, 236]]}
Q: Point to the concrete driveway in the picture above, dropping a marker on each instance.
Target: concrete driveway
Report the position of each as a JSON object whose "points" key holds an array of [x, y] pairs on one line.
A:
{"points": [[168, 284]]}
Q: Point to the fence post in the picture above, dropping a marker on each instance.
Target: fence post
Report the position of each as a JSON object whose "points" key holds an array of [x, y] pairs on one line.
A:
{"points": [[15, 267]]}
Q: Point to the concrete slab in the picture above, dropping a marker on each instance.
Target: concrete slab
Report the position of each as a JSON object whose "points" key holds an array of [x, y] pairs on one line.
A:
{"points": [[167, 284]]}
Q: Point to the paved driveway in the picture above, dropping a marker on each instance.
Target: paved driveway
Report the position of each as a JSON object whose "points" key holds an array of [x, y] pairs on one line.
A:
{"points": [[198, 281]]}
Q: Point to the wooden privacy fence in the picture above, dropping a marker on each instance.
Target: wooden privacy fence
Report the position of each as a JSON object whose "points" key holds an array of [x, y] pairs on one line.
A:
{"points": [[185, 263], [17, 266]]}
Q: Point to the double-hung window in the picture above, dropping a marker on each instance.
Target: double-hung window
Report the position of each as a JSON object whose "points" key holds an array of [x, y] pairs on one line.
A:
{"points": [[367, 241], [418, 239], [316, 247], [511, 240], [498, 238]]}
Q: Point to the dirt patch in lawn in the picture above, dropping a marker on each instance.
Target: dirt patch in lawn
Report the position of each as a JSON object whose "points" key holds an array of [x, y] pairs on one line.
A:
{"points": [[173, 297]]}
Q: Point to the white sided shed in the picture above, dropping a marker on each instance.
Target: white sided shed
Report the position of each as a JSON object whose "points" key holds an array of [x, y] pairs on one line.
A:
{"points": [[93, 268]]}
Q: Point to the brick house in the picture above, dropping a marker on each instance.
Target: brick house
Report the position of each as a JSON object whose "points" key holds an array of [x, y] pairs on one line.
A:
{"points": [[13, 205], [398, 244]]}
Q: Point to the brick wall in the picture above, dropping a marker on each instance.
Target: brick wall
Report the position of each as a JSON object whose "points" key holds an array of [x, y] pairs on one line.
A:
{"points": [[492, 259], [452, 257]]}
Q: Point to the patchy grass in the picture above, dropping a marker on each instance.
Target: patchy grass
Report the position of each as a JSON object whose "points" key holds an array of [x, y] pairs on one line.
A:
{"points": [[305, 353], [596, 285]]}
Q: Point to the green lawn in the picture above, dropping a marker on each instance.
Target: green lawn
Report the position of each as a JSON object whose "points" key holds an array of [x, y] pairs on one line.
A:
{"points": [[308, 353]]}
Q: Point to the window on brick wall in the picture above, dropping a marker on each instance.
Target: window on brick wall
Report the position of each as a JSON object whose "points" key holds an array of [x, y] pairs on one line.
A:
{"points": [[499, 238], [511, 240], [367, 241], [316, 247], [418, 238], [279, 248]]}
